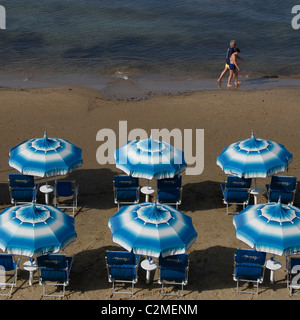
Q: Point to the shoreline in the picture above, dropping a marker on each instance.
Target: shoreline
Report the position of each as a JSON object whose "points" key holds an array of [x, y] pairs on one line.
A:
{"points": [[129, 86]]}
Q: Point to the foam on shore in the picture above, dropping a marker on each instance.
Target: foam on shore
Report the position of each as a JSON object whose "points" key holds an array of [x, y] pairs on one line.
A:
{"points": [[123, 86]]}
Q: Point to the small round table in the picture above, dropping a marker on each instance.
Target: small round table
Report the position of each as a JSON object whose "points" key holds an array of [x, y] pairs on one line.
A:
{"points": [[31, 267], [273, 265], [256, 192], [46, 189], [147, 191], [148, 266]]}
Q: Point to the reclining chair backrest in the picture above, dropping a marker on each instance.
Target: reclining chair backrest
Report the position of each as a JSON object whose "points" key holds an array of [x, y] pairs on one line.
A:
{"points": [[170, 182], [285, 184], [236, 182], [54, 267], [122, 265], [22, 188], [121, 258], [64, 188], [126, 182], [21, 181], [52, 261], [174, 267], [250, 257]]}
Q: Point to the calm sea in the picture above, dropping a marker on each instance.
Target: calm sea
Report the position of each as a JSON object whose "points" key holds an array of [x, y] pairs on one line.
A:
{"points": [[94, 40]]}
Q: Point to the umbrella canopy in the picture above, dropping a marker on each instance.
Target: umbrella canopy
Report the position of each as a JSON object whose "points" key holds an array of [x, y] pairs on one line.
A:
{"points": [[152, 229], [34, 229], [150, 158], [254, 158], [45, 157], [271, 227]]}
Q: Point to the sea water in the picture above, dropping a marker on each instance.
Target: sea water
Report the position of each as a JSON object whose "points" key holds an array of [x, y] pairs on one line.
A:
{"points": [[148, 43]]}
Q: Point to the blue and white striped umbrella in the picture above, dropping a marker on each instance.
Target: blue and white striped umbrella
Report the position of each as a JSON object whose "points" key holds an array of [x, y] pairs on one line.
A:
{"points": [[152, 229], [45, 157], [270, 227], [34, 229], [254, 158], [150, 158]]}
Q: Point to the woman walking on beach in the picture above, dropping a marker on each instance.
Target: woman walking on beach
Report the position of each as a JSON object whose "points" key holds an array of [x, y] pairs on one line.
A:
{"points": [[233, 67]]}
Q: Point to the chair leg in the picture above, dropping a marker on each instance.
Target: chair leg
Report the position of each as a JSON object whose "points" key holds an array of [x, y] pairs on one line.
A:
{"points": [[54, 295], [124, 292]]}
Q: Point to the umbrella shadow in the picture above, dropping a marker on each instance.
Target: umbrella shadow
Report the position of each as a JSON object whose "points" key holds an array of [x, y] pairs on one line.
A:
{"points": [[211, 269], [4, 194], [95, 188], [204, 195], [89, 271]]}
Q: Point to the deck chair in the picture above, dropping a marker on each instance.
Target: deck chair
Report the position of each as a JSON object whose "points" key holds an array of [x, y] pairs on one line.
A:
{"points": [[8, 273], [122, 267], [173, 270], [54, 270], [22, 188], [126, 190], [282, 187], [249, 266], [65, 195], [293, 275], [236, 191], [169, 190]]}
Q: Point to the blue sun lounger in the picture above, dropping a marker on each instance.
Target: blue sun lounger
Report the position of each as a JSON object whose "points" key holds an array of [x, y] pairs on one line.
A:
{"points": [[173, 270], [22, 188], [236, 191], [66, 193], [249, 266], [126, 190], [122, 267], [54, 270], [169, 190], [9, 271], [282, 187]]}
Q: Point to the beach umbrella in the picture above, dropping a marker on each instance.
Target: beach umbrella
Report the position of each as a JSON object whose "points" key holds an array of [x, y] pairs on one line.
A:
{"points": [[254, 158], [34, 229], [152, 229], [150, 158], [45, 157], [271, 227]]}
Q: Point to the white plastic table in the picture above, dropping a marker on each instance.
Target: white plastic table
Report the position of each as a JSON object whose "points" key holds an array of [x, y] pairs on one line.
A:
{"points": [[273, 265], [147, 191], [148, 266], [31, 267], [46, 189], [256, 192]]}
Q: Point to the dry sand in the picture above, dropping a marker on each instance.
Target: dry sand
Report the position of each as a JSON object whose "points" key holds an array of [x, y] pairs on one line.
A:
{"points": [[76, 114]]}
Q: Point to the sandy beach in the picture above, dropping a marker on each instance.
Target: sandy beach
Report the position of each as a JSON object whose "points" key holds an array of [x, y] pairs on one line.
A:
{"points": [[77, 114]]}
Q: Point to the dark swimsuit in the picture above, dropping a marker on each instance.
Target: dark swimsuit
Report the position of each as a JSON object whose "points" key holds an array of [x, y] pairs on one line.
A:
{"points": [[231, 66]]}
